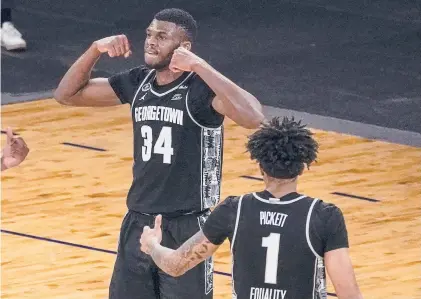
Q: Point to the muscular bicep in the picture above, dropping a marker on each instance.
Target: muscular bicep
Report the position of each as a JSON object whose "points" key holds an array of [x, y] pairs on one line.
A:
{"points": [[97, 93], [194, 251], [339, 267], [231, 110]]}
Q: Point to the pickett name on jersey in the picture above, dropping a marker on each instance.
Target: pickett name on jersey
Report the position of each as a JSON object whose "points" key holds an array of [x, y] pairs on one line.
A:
{"points": [[272, 218], [265, 293], [159, 113]]}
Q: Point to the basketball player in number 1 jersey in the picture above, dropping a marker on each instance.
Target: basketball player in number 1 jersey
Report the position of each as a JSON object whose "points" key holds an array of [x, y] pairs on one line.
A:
{"points": [[281, 241]]}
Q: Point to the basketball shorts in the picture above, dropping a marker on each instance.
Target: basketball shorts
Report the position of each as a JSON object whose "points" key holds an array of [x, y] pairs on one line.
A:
{"points": [[135, 275]]}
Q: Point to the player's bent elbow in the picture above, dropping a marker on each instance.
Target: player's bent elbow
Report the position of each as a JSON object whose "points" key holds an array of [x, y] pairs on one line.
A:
{"points": [[250, 125], [74, 100], [258, 122], [61, 99], [255, 121]]}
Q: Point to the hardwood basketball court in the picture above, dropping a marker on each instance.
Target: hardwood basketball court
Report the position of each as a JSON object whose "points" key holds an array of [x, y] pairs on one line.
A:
{"points": [[62, 208]]}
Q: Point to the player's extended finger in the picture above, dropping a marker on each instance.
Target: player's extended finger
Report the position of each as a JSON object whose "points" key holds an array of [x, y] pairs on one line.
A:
{"points": [[158, 222], [9, 133]]}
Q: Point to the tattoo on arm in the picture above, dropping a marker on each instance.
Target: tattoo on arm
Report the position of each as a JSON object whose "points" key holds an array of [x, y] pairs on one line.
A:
{"points": [[176, 262]]}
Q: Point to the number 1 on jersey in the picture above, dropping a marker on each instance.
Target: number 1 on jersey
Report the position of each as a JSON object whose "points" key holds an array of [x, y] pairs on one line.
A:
{"points": [[162, 146], [271, 269]]}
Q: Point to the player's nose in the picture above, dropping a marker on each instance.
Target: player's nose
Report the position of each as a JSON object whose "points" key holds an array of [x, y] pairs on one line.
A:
{"points": [[151, 41]]}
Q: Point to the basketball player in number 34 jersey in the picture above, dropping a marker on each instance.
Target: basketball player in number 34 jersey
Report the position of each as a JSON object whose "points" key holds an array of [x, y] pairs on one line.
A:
{"points": [[281, 241], [177, 103]]}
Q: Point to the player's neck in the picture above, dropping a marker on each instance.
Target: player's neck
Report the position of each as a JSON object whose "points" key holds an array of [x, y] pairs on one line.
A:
{"points": [[164, 77], [279, 190]]}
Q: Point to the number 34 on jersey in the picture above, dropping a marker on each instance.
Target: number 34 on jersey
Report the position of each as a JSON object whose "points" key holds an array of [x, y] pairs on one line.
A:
{"points": [[161, 146]]}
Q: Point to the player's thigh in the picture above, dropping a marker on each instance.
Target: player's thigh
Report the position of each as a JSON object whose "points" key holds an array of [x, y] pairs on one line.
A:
{"points": [[134, 275], [196, 283], [128, 284]]}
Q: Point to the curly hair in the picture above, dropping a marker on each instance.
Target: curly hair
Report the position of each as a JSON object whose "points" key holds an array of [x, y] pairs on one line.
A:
{"points": [[283, 148]]}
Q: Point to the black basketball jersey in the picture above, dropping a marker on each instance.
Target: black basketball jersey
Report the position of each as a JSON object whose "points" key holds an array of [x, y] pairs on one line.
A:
{"points": [[272, 253], [177, 161]]}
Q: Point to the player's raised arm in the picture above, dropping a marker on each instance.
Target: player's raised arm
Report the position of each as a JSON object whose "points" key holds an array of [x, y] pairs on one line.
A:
{"points": [[231, 100], [78, 89], [340, 270], [175, 262]]}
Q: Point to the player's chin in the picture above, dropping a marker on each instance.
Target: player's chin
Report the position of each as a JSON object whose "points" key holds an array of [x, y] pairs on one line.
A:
{"points": [[152, 60]]}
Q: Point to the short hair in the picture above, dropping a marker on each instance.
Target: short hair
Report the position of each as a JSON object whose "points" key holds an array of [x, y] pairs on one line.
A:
{"points": [[181, 18], [282, 149]]}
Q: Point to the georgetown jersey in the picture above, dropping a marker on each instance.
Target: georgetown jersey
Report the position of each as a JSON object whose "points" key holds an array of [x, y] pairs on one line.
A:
{"points": [[177, 158], [277, 244], [271, 239]]}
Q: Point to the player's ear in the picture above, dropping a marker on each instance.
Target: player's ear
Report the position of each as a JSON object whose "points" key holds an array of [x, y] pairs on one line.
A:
{"points": [[186, 45]]}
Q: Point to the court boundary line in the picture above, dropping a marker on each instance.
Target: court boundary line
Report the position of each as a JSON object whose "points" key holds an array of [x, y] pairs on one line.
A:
{"points": [[84, 146], [251, 177], [343, 126], [75, 245], [355, 196], [89, 248], [57, 241]]}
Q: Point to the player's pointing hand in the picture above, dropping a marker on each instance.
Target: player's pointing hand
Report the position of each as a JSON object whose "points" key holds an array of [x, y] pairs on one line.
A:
{"points": [[116, 45]]}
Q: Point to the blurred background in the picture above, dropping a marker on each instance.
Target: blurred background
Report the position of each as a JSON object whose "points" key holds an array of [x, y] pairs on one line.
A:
{"points": [[354, 60]]}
